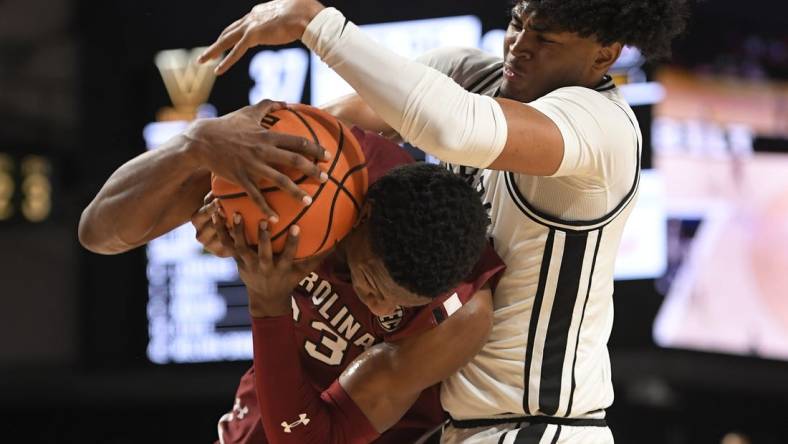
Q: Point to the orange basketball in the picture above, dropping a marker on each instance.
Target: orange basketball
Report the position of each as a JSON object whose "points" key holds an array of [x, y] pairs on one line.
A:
{"points": [[336, 204]]}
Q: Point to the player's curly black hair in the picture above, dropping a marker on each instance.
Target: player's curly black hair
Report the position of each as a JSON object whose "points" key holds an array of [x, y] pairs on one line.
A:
{"points": [[428, 225], [649, 25]]}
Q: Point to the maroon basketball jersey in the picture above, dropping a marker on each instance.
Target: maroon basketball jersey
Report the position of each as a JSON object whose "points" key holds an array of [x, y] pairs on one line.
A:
{"points": [[333, 327]]}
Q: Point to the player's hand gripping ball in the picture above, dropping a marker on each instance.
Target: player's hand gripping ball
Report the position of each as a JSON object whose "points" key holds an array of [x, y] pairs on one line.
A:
{"points": [[336, 204]]}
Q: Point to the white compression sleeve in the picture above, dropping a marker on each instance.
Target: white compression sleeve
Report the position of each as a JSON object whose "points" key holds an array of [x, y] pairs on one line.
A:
{"points": [[427, 108]]}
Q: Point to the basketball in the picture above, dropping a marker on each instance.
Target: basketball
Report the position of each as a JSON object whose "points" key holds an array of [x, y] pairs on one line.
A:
{"points": [[336, 204]]}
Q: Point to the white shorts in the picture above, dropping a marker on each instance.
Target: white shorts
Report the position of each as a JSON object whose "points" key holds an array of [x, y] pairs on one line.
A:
{"points": [[524, 433]]}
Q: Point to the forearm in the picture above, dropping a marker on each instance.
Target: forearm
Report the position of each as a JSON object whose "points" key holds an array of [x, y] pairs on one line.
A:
{"points": [[424, 106], [285, 393], [146, 197]]}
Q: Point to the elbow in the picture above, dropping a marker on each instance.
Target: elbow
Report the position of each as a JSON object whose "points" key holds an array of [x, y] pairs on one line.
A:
{"points": [[438, 140], [471, 130], [450, 140], [86, 233], [89, 236], [444, 134]]}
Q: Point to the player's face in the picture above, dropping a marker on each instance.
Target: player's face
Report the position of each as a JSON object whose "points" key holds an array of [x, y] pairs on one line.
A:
{"points": [[539, 59], [372, 281]]}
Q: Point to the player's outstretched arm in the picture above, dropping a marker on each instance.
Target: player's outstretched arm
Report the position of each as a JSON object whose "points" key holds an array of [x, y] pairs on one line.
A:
{"points": [[144, 198], [425, 106], [161, 189], [433, 112], [421, 104]]}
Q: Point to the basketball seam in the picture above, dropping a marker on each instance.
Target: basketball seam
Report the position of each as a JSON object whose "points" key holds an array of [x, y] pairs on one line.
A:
{"points": [[298, 217], [341, 184], [306, 124], [340, 187]]}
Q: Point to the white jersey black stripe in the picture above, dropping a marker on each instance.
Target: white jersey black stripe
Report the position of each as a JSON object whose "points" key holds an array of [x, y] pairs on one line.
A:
{"points": [[530, 435], [559, 308], [491, 75], [553, 308], [556, 348], [495, 79], [535, 314], [598, 237], [537, 434], [509, 437]]}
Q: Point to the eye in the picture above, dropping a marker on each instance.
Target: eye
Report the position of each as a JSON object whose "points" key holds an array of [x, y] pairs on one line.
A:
{"points": [[515, 24], [542, 39]]}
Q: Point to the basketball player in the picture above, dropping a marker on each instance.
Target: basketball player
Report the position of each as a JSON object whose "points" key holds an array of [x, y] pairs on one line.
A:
{"points": [[548, 139], [312, 382], [358, 349]]}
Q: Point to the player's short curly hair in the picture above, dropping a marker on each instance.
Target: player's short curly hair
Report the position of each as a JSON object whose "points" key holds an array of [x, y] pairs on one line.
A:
{"points": [[649, 25], [428, 226]]}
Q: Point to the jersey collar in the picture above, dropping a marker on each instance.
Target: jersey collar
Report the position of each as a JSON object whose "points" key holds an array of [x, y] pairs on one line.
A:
{"points": [[606, 84]]}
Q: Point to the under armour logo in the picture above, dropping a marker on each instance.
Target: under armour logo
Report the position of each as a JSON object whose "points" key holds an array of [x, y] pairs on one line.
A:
{"points": [[302, 419], [240, 411]]}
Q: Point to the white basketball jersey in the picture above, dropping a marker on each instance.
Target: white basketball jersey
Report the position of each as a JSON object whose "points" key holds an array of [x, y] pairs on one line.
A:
{"points": [[558, 235]]}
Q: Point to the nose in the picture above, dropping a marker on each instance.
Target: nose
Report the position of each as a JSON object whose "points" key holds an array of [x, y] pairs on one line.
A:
{"points": [[520, 46], [373, 302]]}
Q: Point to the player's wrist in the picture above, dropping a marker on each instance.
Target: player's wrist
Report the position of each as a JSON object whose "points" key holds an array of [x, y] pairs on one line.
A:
{"points": [[309, 10], [194, 145], [263, 307], [270, 311]]}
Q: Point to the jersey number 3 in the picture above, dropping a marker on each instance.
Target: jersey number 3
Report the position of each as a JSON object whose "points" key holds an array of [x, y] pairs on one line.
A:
{"points": [[331, 348]]}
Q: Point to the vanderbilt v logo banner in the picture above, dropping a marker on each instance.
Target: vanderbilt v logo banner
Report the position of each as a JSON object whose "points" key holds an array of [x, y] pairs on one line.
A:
{"points": [[188, 83]]}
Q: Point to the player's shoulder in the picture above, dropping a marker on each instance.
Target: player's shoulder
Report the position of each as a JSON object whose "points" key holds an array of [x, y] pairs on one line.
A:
{"points": [[454, 55], [607, 108], [459, 62], [590, 98], [577, 93], [381, 154]]}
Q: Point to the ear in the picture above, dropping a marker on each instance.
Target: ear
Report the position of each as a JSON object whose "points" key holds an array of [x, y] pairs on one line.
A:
{"points": [[606, 56], [382, 303]]}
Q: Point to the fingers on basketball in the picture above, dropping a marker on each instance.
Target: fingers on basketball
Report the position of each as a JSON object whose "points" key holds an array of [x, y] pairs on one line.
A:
{"points": [[335, 200]]}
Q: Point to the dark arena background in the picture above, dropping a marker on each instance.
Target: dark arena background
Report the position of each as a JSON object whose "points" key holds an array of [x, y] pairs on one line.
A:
{"points": [[148, 346]]}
